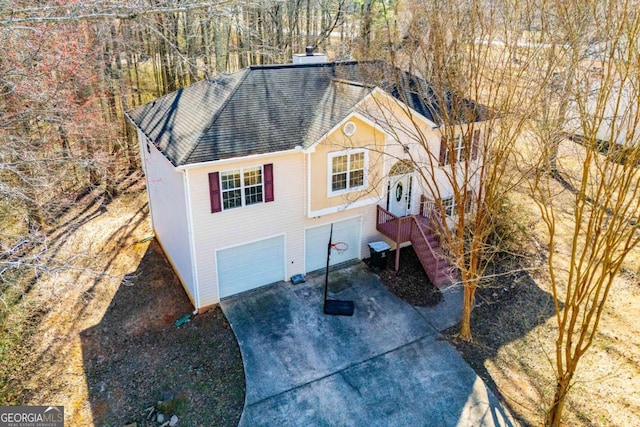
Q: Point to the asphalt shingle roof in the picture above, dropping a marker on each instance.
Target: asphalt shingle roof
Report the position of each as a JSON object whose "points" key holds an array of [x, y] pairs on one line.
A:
{"points": [[264, 109]]}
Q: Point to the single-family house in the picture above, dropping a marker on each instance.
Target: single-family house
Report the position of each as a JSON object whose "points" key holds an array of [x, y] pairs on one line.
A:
{"points": [[605, 111], [247, 171]]}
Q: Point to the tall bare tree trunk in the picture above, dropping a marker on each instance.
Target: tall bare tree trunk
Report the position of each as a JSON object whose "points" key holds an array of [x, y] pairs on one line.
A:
{"points": [[554, 416]]}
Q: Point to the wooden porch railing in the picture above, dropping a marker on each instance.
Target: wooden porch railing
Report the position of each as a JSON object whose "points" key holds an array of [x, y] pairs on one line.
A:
{"points": [[397, 228], [429, 209], [418, 235], [402, 230], [419, 230]]}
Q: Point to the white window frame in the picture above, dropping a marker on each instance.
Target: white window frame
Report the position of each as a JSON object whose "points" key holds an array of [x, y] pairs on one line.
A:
{"points": [[458, 150], [445, 202], [453, 205], [348, 153], [243, 187]]}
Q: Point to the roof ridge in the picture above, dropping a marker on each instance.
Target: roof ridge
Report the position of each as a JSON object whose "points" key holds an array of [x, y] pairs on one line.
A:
{"points": [[308, 65], [165, 96], [245, 73], [354, 83]]}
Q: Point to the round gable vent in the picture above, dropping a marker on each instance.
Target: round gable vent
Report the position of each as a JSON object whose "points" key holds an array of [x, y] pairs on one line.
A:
{"points": [[349, 128]]}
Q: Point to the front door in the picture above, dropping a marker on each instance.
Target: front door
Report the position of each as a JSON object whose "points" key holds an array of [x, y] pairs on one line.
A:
{"points": [[399, 195]]}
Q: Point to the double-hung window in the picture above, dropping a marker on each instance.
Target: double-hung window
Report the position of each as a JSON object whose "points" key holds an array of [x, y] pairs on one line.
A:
{"points": [[450, 205], [457, 149], [241, 187], [347, 171]]}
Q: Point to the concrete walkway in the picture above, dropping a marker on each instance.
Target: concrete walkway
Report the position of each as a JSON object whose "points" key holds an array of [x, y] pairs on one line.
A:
{"points": [[385, 366]]}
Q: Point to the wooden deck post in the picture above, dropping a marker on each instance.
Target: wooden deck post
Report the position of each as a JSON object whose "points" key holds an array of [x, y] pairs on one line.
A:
{"points": [[397, 245]]}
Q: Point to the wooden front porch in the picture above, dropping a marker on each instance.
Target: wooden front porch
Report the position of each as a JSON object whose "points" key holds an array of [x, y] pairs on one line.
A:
{"points": [[419, 231]]}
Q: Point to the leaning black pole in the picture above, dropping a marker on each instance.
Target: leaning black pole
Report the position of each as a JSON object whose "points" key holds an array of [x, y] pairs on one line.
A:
{"points": [[326, 273], [334, 307]]}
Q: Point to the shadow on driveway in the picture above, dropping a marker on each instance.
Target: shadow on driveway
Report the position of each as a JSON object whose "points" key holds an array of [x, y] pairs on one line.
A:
{"points": [[386, 365]]}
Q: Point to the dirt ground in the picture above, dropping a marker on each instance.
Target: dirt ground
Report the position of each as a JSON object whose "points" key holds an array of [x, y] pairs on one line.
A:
{"points": [[513, 330], [102, 340], [136, 356], [410, 282]]}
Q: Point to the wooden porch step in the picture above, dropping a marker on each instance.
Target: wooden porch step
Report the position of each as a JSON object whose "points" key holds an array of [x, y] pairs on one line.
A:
{"points": [[425, 243], [445, 273], [438, 269]]}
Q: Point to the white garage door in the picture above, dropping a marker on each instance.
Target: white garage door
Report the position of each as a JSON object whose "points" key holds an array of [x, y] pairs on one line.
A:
{"points": [[317, 239], [250, 266]]}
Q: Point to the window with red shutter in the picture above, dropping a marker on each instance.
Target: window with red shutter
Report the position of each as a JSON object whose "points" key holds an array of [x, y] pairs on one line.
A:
{"points": [[459, 148], [475, 144], [214, 192], [468, 201], [268, 183], [241, 187], [444, 146]]}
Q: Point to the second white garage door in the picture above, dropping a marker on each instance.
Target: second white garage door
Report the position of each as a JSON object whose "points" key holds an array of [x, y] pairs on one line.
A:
{"points": [[317, 239], [250, 266]]}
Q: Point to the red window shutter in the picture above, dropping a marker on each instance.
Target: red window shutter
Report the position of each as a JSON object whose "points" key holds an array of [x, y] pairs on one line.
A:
{"points": [[268, 182], [214, 192], [444, 146], [475, 144]]}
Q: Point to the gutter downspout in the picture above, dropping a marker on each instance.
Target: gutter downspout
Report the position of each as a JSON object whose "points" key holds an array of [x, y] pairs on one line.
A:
{"points": [[194, 263], [308, 186]]}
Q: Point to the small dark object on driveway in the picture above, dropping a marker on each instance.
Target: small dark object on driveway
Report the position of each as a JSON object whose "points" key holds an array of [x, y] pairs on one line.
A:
{"points": [[334, 307], [338, 307], [298, 278]]}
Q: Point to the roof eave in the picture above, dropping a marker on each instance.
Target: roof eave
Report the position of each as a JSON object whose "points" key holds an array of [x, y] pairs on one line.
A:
{"points": [[297, 149]]}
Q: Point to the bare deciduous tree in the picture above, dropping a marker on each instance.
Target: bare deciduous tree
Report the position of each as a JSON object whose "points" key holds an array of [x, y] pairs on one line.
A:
{"points": [[464, 55], [599, 168]]}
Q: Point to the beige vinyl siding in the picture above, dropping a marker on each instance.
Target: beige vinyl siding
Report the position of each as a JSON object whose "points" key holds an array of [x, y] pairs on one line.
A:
{"points": [[365, 137], [424, 151], [286, 215], [215, 231], [168, 207]]}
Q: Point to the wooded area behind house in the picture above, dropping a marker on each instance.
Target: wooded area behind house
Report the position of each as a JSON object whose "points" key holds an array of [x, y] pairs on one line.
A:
{"points": [[69, 70]]}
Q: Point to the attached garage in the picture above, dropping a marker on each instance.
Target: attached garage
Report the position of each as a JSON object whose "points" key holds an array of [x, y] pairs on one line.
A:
{"points": [[317, 239], [250, 266]]}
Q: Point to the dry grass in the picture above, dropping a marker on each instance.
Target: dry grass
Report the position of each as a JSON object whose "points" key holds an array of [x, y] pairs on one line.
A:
{"points": [[515, 333], [93, 255], [513, 327], [104, 263]]}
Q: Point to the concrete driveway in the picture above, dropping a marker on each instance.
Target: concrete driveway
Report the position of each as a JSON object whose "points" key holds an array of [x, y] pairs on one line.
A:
{"points": [[385, 366]]}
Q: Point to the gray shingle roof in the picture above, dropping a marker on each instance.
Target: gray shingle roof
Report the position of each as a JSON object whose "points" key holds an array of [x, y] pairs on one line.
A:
{"points": [[264, 109]]}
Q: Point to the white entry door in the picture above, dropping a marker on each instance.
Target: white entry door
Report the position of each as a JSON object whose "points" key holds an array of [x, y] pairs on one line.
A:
{"points": [[399, 196]]}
